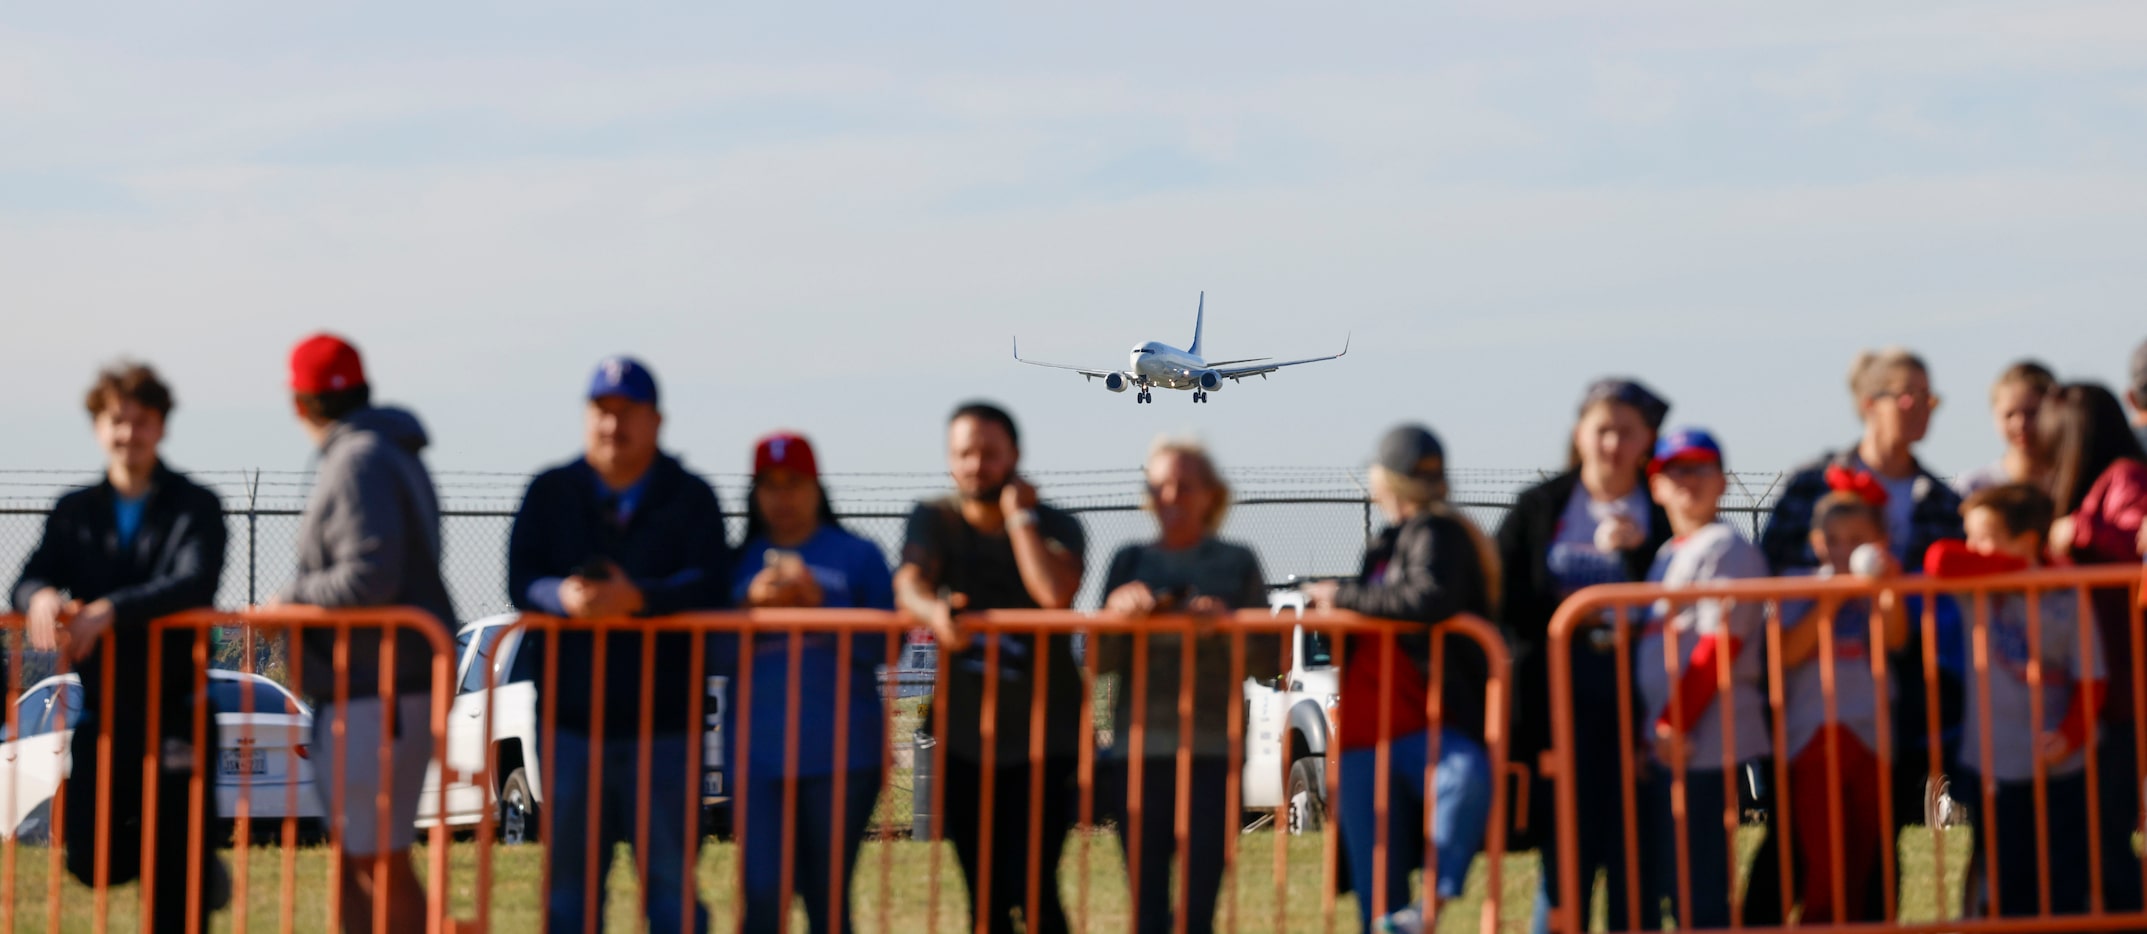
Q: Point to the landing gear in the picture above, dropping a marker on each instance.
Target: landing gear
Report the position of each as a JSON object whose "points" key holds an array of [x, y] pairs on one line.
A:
{"points": [[1199, 396], [1143, 398]]}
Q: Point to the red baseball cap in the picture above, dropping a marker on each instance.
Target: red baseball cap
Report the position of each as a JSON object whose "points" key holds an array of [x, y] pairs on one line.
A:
{"points": [[325, 363], [785, 449]]}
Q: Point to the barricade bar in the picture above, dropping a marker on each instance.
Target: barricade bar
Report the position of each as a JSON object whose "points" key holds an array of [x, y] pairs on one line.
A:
{"points": [[295, 900], [2044, 777]]}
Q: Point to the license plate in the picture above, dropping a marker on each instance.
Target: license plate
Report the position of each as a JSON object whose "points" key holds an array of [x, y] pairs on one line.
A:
{"points": [[244, 762]]}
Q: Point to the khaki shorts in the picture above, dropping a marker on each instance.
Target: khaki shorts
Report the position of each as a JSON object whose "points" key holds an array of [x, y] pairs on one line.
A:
{"points": [[408, 752]]}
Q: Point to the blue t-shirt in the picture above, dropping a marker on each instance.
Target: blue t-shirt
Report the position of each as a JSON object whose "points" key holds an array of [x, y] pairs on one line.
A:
{"points": [[851, 572], [127, 515]]}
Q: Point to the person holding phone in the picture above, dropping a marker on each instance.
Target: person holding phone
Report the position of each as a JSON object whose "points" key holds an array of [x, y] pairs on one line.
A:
{"points": [[993, 545], [624, 531], [796, 555]]}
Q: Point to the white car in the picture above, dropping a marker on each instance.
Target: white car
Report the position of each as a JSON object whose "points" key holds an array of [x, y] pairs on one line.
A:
{"points": [[517, 786], [262, 754], [1287, 726]]}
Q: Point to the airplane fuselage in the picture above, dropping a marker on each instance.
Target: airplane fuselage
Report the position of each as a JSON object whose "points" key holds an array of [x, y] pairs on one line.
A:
{"points": [[1166, 367], [1155, 365]]}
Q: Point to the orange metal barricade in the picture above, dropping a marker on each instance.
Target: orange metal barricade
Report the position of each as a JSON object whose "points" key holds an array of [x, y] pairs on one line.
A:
{"points": [[1623, 607], [157, 754], [874, 895], [846, 625]]}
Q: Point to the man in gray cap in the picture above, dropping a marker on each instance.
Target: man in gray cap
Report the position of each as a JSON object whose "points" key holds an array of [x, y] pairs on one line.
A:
{"points": [[2136, 391]]}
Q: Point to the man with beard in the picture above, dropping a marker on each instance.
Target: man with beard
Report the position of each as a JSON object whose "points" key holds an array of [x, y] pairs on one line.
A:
{"points": [[993, 546]]}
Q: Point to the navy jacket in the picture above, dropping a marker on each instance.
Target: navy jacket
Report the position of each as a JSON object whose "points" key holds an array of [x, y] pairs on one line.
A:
{"points": [[174, 564], [672, 546]]}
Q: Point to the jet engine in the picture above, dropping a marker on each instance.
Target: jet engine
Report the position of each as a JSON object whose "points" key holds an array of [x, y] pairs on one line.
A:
{"points": [[1210, 381], [1115, 382]]}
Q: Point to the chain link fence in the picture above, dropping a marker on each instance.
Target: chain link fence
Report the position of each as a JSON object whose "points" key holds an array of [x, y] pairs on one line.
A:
{"points": [[1302, 521]]}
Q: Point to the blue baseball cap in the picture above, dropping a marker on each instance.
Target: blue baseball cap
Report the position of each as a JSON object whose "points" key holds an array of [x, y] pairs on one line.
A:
{"points": [[625, 377], [1685, 444]]}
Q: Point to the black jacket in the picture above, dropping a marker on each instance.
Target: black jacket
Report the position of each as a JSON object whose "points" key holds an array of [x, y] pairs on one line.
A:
{"points": [[1432, 573], [1532, 597], [173, 564], [672, 546]]}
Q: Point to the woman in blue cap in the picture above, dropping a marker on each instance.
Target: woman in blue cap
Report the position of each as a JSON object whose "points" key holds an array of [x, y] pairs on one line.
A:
{"points": [[1429, 564]]}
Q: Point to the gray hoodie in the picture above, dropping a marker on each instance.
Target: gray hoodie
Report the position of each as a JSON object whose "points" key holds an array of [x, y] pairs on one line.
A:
{"points": [[370, 538]]}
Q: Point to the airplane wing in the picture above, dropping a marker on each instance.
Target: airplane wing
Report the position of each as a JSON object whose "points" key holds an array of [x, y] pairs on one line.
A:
{"points": [[1084, 371], [1220, 363], [1262, 369]]}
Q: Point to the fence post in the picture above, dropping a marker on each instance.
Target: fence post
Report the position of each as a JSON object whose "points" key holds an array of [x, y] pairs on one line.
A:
{"points": [[253, 513]]}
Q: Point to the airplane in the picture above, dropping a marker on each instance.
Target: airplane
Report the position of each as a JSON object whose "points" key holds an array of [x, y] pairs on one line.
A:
{"points": [[1155, 365]]}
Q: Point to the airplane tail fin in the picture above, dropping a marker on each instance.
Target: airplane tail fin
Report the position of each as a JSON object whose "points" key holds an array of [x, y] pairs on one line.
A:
{"points": [[1199, 312]]}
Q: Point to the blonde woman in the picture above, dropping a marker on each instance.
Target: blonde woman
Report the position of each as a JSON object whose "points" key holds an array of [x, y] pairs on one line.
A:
{"points": [[1892, 393], [2014, 399], [1427, 565], [1185, 569]]}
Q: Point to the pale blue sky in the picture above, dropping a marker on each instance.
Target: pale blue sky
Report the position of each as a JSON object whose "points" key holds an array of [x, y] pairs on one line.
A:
{"points": [[833, 219]]}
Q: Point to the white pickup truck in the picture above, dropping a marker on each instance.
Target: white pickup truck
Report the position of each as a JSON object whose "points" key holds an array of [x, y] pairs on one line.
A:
{"points": [[516, 791], [1288, 725]]}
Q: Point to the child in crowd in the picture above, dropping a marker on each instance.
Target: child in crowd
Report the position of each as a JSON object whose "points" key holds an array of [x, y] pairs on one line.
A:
{"points": [[1830, 749], [2006, 532], [1687, 480]]}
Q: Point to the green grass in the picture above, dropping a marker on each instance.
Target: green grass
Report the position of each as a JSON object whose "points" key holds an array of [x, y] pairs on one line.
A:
{"points": [[905, 903]]}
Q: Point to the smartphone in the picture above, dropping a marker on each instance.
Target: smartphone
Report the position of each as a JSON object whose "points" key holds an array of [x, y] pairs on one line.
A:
{"points": [[780, 557], [595, 569]]}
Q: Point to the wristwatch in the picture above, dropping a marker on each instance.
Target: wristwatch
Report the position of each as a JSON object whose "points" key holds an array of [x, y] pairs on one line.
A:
{"points": [[1020, 518]]}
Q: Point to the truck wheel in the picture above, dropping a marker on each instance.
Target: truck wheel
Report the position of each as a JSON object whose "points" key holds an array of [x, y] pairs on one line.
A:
{"points": [[517, 810], [1308, 790]]}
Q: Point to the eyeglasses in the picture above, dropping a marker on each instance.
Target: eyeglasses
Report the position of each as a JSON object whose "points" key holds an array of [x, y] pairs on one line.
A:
{"points": [[1906, 399]]}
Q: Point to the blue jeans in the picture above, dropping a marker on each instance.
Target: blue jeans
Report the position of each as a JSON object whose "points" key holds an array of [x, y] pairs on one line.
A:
{"points": [[810, 857], [674, 811], [1461, 781]]}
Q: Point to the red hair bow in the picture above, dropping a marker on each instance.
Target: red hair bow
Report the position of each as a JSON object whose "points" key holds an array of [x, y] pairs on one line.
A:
{"points": [[1860, 482]]}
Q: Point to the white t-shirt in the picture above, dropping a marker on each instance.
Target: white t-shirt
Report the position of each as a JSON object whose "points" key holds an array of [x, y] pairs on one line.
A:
{"points": [[2013, 735], [1714, 553], [1856, 692]]}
